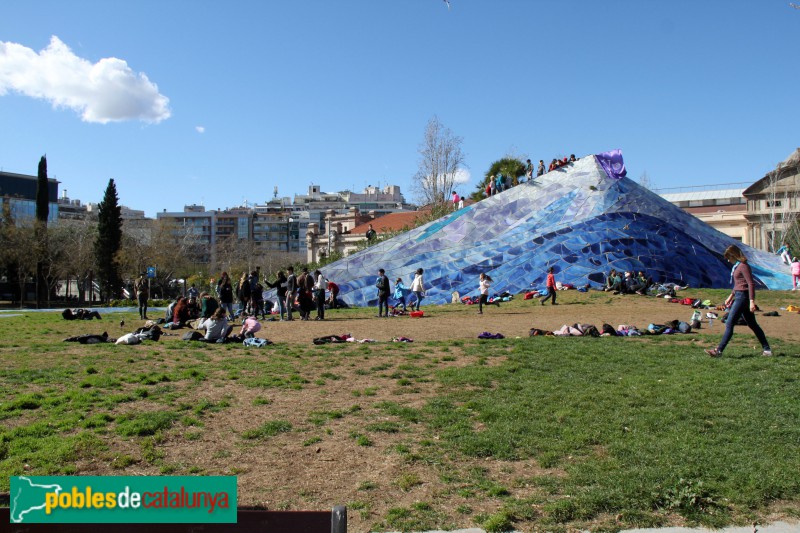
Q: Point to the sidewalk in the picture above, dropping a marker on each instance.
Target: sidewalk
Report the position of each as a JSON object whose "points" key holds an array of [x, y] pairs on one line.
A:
{"points": [[777, 527]]}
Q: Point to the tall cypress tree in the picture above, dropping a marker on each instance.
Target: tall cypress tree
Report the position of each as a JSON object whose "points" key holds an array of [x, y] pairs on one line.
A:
{"points": [[40, 231], [42, 192], [107, 243]]}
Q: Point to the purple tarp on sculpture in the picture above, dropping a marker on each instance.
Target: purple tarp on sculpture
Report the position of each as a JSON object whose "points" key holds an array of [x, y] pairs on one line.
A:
{"points": [[613, 164]]}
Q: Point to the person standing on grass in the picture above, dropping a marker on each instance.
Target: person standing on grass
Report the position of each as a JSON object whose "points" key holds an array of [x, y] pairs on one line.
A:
{"points": [[280, 287], [795, 272], [142, 294], [382, 283], [319, 294], [243, 293], [400, 291], [225, 293], [742, 302], [551, 287], [291, 288], [418, 288]]}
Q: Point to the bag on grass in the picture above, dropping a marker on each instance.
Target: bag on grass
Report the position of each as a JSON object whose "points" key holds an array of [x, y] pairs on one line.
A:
{"points": [[192, 336]]}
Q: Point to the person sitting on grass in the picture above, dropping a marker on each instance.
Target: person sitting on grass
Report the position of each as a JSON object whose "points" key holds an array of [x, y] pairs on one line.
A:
{"points": [[632, 285], [613, 282], [180, 314], [646, 282], [208, 305], [216, 326], [194, 308]]}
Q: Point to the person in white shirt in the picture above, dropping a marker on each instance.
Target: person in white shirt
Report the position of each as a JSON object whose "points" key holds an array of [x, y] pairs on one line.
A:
{"points": [[319, 294], [418, 288], [485, 283]]}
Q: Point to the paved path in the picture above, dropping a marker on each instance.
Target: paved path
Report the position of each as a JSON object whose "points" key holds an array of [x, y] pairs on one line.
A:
{"points": [[777, 527]]}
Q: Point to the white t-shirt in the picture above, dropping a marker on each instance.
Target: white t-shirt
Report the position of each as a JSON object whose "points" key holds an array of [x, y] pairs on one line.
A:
{"points": [[416, 285], [485, 283]]}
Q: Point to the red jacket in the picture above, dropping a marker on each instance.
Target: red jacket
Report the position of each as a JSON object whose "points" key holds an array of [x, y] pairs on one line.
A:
{"points": [[551, 281]]}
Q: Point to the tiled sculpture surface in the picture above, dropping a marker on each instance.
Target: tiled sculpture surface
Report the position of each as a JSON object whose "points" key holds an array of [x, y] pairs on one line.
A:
{"points": [[583, 219]]}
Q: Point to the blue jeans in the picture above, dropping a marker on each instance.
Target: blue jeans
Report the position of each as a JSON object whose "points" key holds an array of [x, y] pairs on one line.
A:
{"points": [[228, 306], [282, 305], [741, 308], [419, 296], [551, 294]]}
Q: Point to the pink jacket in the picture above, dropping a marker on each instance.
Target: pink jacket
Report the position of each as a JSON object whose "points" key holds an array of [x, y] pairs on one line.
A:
{"points": [[796, 268], [250, 325]]}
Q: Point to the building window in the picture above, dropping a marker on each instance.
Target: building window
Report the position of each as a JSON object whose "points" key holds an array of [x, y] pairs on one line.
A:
{"points": [[773, 203]]}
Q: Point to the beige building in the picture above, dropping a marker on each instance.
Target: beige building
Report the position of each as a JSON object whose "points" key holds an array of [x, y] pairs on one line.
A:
{"points": [[761, 214], [348, 231], [724, 209], [773, 205]]}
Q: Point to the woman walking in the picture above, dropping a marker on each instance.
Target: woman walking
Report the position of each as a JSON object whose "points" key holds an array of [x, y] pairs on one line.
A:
{"points": [[418, 288], [742, 302]]}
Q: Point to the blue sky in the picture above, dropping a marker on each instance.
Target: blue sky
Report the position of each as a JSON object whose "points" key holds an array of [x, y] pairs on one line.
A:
{"points": [[218, 102]]}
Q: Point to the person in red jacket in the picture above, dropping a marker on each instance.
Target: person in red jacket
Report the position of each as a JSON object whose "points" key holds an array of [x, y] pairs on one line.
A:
{"points": [[551, 287], [333, 292]]}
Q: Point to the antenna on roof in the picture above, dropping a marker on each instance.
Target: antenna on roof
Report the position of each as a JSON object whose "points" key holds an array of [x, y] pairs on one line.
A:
{"points": [[275, 192]]}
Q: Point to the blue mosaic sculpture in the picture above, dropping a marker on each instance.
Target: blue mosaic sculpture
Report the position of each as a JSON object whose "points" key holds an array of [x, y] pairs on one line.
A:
{"points": [[583, 219]]}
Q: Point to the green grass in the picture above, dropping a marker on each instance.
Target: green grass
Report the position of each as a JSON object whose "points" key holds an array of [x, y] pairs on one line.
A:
{"points": [[268, 429], [637, 428], [622, 432]]}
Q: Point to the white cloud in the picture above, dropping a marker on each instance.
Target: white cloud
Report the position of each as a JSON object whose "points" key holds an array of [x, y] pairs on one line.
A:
{"points": [[200, 129], [462, 176], [106, 91]]}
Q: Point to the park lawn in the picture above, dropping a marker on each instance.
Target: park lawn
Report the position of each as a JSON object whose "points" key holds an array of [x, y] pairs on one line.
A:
{"points": [[529, 433]]}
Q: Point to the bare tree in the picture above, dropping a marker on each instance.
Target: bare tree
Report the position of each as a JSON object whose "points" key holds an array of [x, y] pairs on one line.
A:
{"points": [[54, 261], [783, 205], [80, 260], [174, 250], [440, 159], [645, 181], [18, 244]]}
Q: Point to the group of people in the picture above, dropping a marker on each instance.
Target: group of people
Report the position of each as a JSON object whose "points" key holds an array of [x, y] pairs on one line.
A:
{"points": [[628, 282], [306, 291], [558, 163], [498, 183], [401, 293]]}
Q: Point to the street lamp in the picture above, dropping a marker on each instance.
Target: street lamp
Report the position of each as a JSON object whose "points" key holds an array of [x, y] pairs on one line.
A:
{"points": [[288, 233]]}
